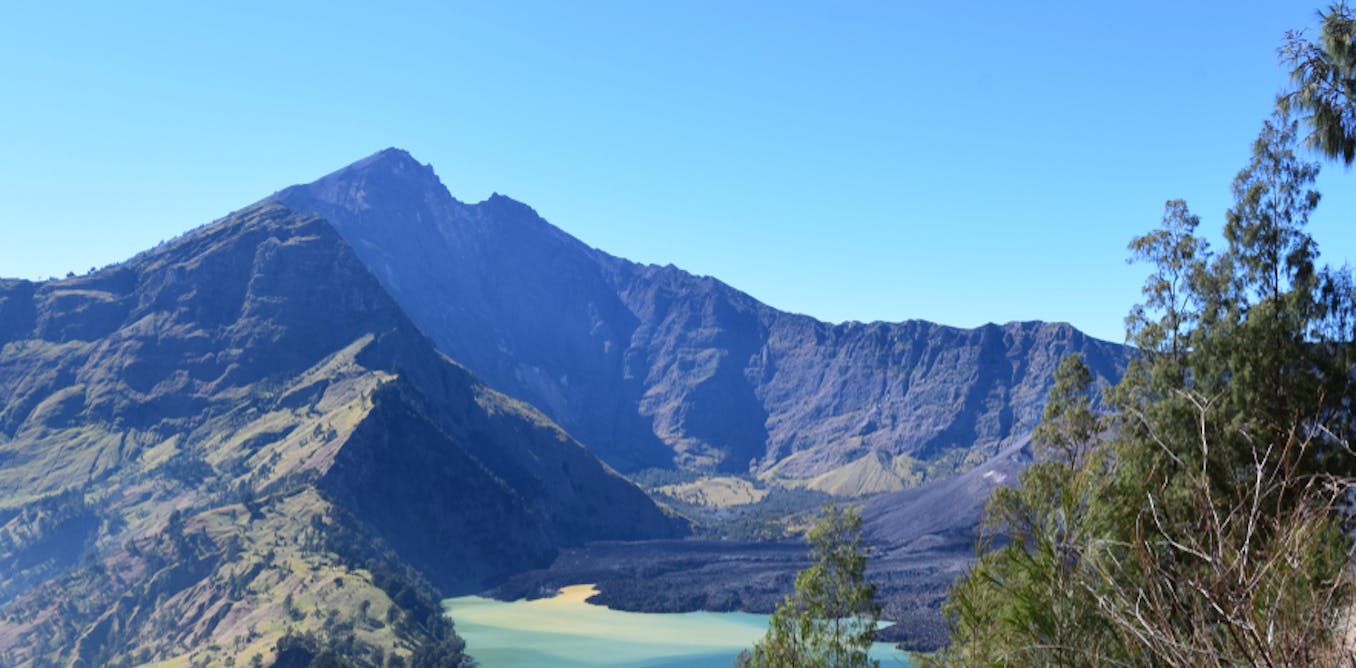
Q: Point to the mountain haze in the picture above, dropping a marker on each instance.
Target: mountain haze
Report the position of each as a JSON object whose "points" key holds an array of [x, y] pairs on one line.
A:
{"points": [[270, 436], [651, 366], [203, 445]]}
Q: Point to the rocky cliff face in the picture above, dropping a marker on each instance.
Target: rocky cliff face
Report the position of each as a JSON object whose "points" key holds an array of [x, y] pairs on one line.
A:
{"points": [[202, 447], [654, 367]]}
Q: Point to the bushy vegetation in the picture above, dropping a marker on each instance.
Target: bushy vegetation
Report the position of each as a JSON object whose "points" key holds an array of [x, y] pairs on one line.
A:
{"points": [[1203, 520], [416, 614], [829, 621], [784, 512], [780, 512]]}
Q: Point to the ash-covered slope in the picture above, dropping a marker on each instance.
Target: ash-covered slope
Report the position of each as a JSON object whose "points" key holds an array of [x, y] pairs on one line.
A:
{"points": [[239, 436], [652, 366]]}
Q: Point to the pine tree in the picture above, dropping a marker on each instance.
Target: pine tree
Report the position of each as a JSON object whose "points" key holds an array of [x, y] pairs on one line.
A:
{"points": [[1324, 76], [1209, 528], [829, 621], [1025, 602], [1232, 429]]}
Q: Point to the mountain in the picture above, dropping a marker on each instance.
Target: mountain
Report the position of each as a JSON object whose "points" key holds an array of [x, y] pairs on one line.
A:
{"points": [[238, 444], [253, 440], [653, 367]]}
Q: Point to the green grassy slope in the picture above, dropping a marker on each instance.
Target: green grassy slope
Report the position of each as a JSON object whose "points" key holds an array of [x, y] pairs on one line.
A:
{"points": [[237, 442]]}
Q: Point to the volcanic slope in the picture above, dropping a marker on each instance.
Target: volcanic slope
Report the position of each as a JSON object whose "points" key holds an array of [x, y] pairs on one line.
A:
{"points": [[653, 367], [238, 443]]}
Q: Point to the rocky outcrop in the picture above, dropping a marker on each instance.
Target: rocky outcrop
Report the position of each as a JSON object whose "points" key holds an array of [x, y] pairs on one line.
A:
{"points": [[653, 366]]}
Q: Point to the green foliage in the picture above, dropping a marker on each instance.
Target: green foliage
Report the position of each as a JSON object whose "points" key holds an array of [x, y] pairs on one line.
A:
{"points": [[1232, 442], [1324, 76], [830, 618], [1023, 602], [1201, 522]]}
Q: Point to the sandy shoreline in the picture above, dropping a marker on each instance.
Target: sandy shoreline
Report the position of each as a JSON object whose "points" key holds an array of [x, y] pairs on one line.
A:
{"points": [[570, 595]]}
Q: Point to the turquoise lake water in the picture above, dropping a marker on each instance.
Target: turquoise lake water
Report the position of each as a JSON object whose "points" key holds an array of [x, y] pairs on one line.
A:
{"points": [[567, 632]]}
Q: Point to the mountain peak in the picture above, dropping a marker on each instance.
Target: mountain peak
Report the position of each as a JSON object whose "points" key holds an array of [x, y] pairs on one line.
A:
{"points": [[390, 159], [388, 179], [391, 162]]}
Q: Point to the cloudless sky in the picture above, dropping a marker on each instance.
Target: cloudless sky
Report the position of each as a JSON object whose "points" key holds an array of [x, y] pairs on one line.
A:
{"points": [[956, 162]]}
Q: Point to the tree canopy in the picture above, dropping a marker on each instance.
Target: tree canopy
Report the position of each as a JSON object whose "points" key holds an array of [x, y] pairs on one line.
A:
{"points": [[829, 621], [1201, 519], [1323, 72]]}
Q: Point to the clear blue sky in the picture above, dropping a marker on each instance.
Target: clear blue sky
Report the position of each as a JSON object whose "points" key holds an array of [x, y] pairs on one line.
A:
{"points": [[958, 162]]}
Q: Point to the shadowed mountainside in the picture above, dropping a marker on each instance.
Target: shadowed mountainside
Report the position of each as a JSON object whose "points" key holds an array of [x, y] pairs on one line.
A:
{"points": [[654, 367], [239, 436]]}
